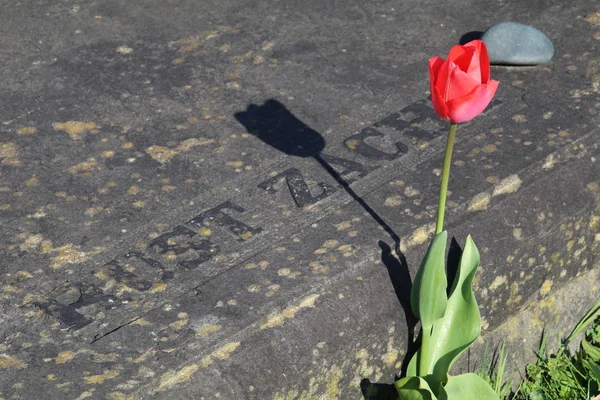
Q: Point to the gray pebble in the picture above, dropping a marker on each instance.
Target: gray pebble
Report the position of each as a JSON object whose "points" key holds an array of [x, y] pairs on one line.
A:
{"points": [[511, 43]]}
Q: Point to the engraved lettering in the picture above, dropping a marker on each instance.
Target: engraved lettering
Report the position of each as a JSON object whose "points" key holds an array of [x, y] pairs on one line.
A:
{"points": [[114, 273], [298, 187], [180, 243], [357, 144], [354, 168], [217, 217], [418, 120], [69, 299]]}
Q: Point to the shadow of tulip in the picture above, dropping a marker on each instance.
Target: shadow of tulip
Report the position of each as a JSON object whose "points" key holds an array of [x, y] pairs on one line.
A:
{"points": [[276, 126]]}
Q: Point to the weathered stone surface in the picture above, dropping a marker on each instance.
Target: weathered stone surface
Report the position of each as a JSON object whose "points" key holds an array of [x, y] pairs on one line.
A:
{"points": [[512, 43], [159, 239]]}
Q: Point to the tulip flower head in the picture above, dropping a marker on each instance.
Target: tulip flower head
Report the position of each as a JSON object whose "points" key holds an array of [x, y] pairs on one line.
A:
{"points": [[460, 85]]}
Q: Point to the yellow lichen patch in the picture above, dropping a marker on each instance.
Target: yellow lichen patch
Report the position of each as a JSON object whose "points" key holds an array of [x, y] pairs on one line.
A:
{"points": [[593, 18], [123, 49], [206, 330], [74, 128], [514, 296], [594, 222], [85, 167], [246, 235], [393, 201], [32, 182], [352, 143], [549, 162], [498, 281], [518, 233], [64, 356], [26, 130], [179, 324], [172, 378], [279, 318], [32, 242], [333, 383], [204, 231], [188, 144], [141, 322], [9, 154], [93, 211], [593, 186], [509, 184], [330, 243], [68, 254], [254, 288], [161, 154], [419, 236], [343, 225], [241, 58], [188, 44], [391, 355], [411, 192], [133, 190], [86, 394], [7, 361], [98, 379], [288, 273], [480, 202], [120, 396], [489, 148], [546, 286], [235, 164]]}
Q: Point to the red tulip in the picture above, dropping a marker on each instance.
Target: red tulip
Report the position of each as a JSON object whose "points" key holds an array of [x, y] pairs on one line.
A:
{"points": [[460, 86]]}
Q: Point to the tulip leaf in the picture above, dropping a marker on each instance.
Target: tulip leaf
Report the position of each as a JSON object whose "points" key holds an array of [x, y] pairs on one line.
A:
{"points": [[428, 295], [413, 388], [467, 387], [460, 324]]}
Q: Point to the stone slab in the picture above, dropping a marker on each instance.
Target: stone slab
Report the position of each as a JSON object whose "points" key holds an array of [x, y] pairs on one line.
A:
{"points": [[203, 200]]}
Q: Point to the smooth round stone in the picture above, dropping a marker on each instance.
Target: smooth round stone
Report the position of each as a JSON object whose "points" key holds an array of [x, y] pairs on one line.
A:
{"points": [[517, 44]]}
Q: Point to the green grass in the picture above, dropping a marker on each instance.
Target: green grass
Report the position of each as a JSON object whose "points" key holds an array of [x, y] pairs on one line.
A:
{"points": [[559, 376]]}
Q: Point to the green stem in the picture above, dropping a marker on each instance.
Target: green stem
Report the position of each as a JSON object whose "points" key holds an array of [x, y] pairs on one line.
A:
{"points": [[424, 359], [439, 226]]}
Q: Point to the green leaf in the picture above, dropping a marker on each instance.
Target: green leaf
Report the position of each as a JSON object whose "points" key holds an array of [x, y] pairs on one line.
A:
{"points": [[467, 387], [428, 295], [593, 368], [590, 350], [413, 388], [460, 324]]}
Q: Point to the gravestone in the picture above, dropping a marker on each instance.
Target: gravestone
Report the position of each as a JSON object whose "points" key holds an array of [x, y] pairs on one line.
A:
{"points": [[228, 200]]}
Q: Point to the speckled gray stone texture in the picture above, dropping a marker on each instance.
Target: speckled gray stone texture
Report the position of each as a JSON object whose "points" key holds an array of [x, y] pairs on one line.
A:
{"points": [[200, 199]]}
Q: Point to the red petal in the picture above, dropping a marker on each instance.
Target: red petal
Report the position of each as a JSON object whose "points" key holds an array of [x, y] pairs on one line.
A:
{"points": [[483, 59], [443, 78], [435, 63], [468, 107], [467, 60], [439, 105], [460, 84]]}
